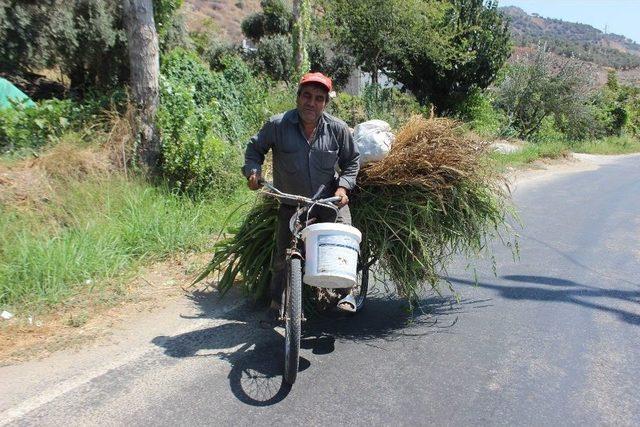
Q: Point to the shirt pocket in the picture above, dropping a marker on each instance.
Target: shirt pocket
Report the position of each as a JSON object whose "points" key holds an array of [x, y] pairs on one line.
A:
{"points": [[326, 159]]}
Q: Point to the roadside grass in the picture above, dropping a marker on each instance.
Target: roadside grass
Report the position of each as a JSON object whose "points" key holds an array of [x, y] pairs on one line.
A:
{"points": [[624, 144], [92, 232], [529, 154]]}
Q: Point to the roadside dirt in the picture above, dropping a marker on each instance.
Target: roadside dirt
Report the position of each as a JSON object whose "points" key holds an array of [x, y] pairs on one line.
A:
{"points": [[92, 319], [94, 316]]}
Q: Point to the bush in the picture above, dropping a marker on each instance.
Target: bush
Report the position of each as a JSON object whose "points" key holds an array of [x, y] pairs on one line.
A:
{"points": [[339, 67], [205, 117], [33, 127], [275, 57], [388, 104], [482, 118], [275, 18], [538, 86]]}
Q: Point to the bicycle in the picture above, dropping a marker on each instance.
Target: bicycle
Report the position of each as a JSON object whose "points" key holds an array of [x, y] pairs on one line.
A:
{"points": [[291, 312]]}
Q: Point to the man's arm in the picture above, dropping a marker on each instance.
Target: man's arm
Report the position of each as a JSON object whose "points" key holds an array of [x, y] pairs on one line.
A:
{"points": [[257, 148]]}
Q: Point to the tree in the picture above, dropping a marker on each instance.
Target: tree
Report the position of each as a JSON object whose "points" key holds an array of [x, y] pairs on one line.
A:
{"points": [[84, 38], [367, 28], [537, 86], [301, 17], [455, 49], [144, 58], [275, 57], [275, 18], [334, 61]]}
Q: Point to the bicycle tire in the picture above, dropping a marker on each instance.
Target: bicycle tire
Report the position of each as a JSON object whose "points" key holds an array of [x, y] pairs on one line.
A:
{"points": [[293, 323], [363, 287]]}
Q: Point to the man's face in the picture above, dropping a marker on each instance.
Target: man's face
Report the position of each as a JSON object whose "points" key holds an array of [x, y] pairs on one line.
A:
{"points": [[311, 103]]}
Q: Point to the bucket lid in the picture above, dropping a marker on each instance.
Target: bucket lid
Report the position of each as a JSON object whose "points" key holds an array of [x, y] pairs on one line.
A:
{"points": [[332, 226]]}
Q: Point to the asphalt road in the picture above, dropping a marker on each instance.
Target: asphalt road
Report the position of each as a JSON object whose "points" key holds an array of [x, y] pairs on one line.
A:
{"points": [[553, 339]]}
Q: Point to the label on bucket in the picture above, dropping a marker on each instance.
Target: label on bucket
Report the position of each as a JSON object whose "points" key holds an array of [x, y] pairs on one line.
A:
{"points": [[337, 255]]}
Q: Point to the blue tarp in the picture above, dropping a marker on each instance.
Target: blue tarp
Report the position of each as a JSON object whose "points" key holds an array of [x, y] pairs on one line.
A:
{"points": [[9, 94]]}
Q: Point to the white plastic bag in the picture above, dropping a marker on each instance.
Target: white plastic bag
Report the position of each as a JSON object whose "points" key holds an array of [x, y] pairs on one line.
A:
{"points": [[374, 139]]}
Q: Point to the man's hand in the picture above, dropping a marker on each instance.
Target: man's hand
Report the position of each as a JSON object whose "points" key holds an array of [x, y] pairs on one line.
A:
{"points": [[253, 181], [342, 192]]}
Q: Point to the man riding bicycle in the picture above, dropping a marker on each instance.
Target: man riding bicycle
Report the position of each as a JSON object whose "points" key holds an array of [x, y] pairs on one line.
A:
{"points": [[310, 149]]}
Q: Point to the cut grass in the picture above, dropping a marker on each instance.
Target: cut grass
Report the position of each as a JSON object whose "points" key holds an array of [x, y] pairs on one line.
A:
{"points": [[96, 230]]}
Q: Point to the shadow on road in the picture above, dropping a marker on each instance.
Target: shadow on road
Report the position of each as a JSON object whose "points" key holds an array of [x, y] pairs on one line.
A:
{"points": [[256, 352], [566, 291]]}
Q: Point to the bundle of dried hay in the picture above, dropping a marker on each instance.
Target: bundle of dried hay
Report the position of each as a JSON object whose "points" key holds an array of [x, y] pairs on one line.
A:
{"points": [[429, 153], [432, 197]]}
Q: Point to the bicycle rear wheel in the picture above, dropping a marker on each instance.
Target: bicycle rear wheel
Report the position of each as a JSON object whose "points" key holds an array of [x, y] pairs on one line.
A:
{"points": [[293, 323], [362, 287]]}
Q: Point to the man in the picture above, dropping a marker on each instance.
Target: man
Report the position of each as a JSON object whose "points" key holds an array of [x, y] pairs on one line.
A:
{"points": [[308, 147]]}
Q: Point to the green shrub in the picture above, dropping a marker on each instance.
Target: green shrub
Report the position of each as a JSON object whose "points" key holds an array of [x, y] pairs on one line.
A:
{"points": [[548, 132], [349, 108], [388, 104], [28, 128], [205, 117], [34, 127], [478, 111], [275, 57]]}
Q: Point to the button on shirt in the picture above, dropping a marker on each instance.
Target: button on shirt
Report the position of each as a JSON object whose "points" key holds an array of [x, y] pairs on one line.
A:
{"points": [[300, 167]]}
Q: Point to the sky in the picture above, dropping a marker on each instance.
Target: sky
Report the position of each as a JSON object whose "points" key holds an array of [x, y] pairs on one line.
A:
{"points": [[619, 16]]}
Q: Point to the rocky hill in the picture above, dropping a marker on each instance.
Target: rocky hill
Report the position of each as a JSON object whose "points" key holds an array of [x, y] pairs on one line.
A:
{"points": [[573, 39], [581, 41]]}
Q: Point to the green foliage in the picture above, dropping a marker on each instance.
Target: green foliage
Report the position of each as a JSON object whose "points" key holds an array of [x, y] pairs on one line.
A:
{"points": [[623, 144], [475, 45], [537, 87], [632, 107], [85, 38], [33, 127], [546, 149], [369, 29], [275, 57], [204, 117], [388, 104], [339, 67], [440, 51], [29, 33], [478, 111], [253, 26], [275, 18]]}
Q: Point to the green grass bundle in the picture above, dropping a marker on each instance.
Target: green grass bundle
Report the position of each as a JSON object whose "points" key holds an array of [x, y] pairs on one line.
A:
{"points": [[246, 252], [432, 197]]}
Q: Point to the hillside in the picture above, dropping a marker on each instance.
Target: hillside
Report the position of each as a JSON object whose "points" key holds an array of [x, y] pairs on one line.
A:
{"points": [[226, 14], [573, 39]]}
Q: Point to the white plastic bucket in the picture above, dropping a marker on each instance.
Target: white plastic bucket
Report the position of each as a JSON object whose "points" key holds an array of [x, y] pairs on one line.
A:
{"points": [[331, 255]]}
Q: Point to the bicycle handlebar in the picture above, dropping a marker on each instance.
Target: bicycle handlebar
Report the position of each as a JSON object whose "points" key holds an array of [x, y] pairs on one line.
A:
{"points": [[274, 192]]}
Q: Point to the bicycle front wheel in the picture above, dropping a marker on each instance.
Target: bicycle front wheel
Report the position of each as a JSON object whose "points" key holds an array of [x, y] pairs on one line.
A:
{"points": [[293, 324]]}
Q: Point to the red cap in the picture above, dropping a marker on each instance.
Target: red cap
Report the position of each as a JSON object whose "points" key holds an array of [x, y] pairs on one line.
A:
{"points": [[317, 78]]}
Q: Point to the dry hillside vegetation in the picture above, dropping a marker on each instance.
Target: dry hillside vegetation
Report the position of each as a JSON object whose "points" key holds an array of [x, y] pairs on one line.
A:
{"points": [[226, 14]]}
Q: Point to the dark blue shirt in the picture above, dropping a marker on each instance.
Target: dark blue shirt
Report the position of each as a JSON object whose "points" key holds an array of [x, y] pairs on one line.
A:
{"points": [[299, 166]]}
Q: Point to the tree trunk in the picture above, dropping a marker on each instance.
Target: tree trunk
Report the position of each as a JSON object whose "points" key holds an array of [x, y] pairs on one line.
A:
{"points": [[300, 32], [144, 57]]}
